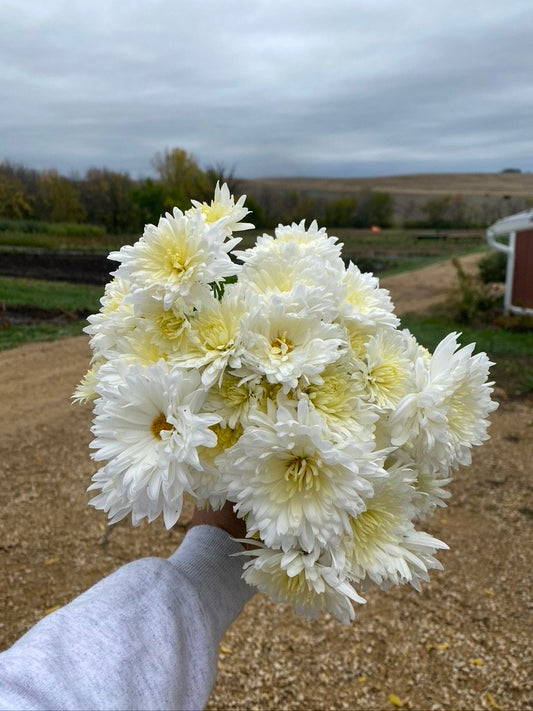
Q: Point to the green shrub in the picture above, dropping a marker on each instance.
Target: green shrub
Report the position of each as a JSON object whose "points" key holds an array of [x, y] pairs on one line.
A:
{"points": [[493, 267], [475, 302]]}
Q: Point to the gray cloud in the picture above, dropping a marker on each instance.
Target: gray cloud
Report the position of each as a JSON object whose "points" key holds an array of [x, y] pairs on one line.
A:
{"points": [[274, 87]]}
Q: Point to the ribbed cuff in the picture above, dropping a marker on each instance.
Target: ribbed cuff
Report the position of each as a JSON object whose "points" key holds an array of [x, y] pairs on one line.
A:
{"points": [[206, 558]]}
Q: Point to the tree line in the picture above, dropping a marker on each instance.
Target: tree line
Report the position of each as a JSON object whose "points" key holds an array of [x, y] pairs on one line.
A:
{"points": [[113, 200], [123, 205]]}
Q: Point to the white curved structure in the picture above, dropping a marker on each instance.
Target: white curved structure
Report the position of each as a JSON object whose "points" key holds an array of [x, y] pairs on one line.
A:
{"points": [[514, 236]]}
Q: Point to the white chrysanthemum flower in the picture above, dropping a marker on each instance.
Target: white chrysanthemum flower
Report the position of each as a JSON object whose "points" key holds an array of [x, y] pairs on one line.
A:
{"points": [[121, 335], [385, 372], [311, 584], [446, 412], [223, 206], [365, 302], [148, 428], [310, 279], [141, 348], [383, 546], [114, 322], [307, 241], [293, 484], [158, 328], [428, 480], [177, 260], [285, 347], [314, 238], [468, 403], [86, 388], [213, 341], [115, 293], [318, 301]]}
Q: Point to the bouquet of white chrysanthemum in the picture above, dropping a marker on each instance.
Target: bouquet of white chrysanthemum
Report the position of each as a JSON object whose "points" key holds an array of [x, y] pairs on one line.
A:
{"points": [[282, 382]]}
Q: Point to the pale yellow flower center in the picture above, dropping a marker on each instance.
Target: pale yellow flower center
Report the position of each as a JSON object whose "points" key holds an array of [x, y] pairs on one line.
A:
{"points": [[332, 397], [217, 337], [281, 345], [159, 424], [365, 526], [358, 340], [214, 330], [460, 416], [113, 303], [214, 212], [115, 292], [384, 376], [357, 299], [177, 262], [226, 436], [234, 395], [369, 529], [302, 473], [170, 326], [297, 587], [386, 382]]}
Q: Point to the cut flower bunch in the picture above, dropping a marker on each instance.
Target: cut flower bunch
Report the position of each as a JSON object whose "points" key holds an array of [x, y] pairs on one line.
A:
{"points": [[279, 379]]}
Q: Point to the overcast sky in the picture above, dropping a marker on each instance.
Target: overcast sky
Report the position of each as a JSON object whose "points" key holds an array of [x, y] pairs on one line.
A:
{"points": [[271, 87]]}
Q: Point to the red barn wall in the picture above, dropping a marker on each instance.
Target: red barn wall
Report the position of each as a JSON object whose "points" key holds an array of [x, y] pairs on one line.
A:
{"points": [[522, 294]]}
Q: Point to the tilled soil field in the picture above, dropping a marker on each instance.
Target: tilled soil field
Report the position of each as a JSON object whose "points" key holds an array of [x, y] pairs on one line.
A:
{"points": [[463, 643]]}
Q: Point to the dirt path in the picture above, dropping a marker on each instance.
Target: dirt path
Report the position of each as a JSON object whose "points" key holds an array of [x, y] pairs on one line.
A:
{"points": [[463, 643], [421, 289]]}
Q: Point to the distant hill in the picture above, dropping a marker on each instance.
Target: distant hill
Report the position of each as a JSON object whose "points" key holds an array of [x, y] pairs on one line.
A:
{"points": [[465, 184]]}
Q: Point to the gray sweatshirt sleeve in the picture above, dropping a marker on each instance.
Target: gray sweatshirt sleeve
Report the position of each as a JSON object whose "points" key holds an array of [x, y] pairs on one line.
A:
{"points": [[146, 637]]}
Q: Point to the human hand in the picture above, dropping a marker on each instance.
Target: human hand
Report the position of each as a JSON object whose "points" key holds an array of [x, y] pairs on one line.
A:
{"points": [[226, 519]]}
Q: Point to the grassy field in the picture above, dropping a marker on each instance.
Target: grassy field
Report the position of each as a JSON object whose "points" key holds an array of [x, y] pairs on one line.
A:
{"points": [[37, 310], [34, 234], [49, 294]]}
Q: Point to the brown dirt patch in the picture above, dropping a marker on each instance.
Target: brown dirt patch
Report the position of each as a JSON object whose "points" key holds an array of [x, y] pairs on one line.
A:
{"points": [[463, 643], [422, 289]]}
